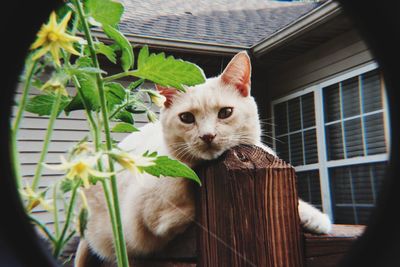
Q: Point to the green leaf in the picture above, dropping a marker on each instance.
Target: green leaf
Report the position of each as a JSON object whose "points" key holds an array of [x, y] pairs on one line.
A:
{"points": [[169, 167], [124, 127], [66, 185], [43, 104], [168, 71], [152, 155], [84, 62], [105, 11], [143, 56], [83, 220], [124, 116], [75, 104], [106, 51], [63, 10], [115, 93], [88, 84], [135, 84], [37, 83], [135, 110], [127, 57], [89, 70]]}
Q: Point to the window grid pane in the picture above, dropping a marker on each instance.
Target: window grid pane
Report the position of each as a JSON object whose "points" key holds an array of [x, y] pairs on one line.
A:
{"points": [[354, 124], [308, 187], [372, 98], [354, 191], [334, 141], [295, 129], [310, 146], [353, 134], [375, 134], [350, 97]]}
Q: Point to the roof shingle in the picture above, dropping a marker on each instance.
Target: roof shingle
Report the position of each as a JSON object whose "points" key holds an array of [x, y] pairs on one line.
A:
{"points": [[226, 22]]}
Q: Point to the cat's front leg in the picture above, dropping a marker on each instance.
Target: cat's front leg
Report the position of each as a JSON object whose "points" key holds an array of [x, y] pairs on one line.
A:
{"points": [[313, 219], [172, 209]]}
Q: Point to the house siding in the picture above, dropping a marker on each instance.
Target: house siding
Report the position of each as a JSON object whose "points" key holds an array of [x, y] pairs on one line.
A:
{"points": [[327, 60]]}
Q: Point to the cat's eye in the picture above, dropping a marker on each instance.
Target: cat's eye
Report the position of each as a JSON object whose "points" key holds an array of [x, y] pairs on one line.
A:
{"points": [[225, 112], [187, 117]]}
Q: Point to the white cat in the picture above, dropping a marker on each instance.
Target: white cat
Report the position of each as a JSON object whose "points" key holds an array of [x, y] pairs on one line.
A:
{"points": [[194, 126]]}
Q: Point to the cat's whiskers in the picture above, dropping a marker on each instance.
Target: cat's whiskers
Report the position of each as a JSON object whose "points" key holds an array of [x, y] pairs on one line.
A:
{"points": [[178, 149], [182, 151]]}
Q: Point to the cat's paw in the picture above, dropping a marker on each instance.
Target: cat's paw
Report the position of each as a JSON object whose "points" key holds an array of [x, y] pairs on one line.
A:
{"points": [[313, 219], [318, 224]]}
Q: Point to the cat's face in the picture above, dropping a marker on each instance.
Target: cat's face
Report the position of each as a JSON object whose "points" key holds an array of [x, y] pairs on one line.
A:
{"points": [[212, 117]]}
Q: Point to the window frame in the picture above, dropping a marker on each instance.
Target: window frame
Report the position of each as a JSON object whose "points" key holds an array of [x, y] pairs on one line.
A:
{"points": [[324, 164]]}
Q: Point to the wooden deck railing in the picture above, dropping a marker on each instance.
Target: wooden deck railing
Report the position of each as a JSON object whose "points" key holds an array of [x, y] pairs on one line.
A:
{"points": [[247, 216]]}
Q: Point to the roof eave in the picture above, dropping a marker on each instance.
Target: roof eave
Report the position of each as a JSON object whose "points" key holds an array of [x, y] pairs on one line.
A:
{"points": [[178, 45], [309, 21]]}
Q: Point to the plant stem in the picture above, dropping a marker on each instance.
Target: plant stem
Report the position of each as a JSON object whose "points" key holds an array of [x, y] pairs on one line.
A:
{"points": [[118, 76], [122, 256], [68, 238], [43, 228], [56, 221], [21, 108], [120, 108], [97, 142], [49, 132], [60, 242]]}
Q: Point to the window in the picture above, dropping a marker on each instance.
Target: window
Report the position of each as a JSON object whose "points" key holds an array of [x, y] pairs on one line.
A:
{"points": [[354, 117], [354, 191], [335, 135]]}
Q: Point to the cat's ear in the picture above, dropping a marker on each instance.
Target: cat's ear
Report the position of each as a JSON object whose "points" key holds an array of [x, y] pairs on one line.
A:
{"points": [[238, 73], [168, 92]]}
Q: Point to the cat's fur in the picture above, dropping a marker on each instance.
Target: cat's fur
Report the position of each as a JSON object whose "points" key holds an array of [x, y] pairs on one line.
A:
{"points": [[154, 210]]}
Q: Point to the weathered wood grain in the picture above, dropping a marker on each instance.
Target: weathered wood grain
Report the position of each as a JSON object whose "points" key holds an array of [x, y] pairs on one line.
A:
{"points": [[328, 250], [247, 211]]}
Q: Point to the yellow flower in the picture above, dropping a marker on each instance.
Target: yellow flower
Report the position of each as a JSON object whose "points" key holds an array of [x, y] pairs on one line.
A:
{"points": [[80, 168], [53, 36], [157, 99], [54, 85], [133, 163], [36, 199]]}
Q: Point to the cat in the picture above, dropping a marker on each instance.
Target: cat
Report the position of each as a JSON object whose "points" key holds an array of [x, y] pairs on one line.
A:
{"points": [[194, 126]]}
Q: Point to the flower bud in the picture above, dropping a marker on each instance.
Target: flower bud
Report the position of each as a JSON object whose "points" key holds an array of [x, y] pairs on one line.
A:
{"points": [[151, 116], [158, 99]]}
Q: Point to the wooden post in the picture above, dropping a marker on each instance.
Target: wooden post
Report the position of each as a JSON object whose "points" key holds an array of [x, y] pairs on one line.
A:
{"points": [[247, 211]]}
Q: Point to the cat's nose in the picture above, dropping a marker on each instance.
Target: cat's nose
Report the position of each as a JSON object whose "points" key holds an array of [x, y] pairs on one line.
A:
{"points": [[208, 138]]}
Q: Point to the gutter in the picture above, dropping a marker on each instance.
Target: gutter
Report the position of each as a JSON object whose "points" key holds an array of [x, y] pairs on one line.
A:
{"points": [[177, 45], [309, 21]]}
